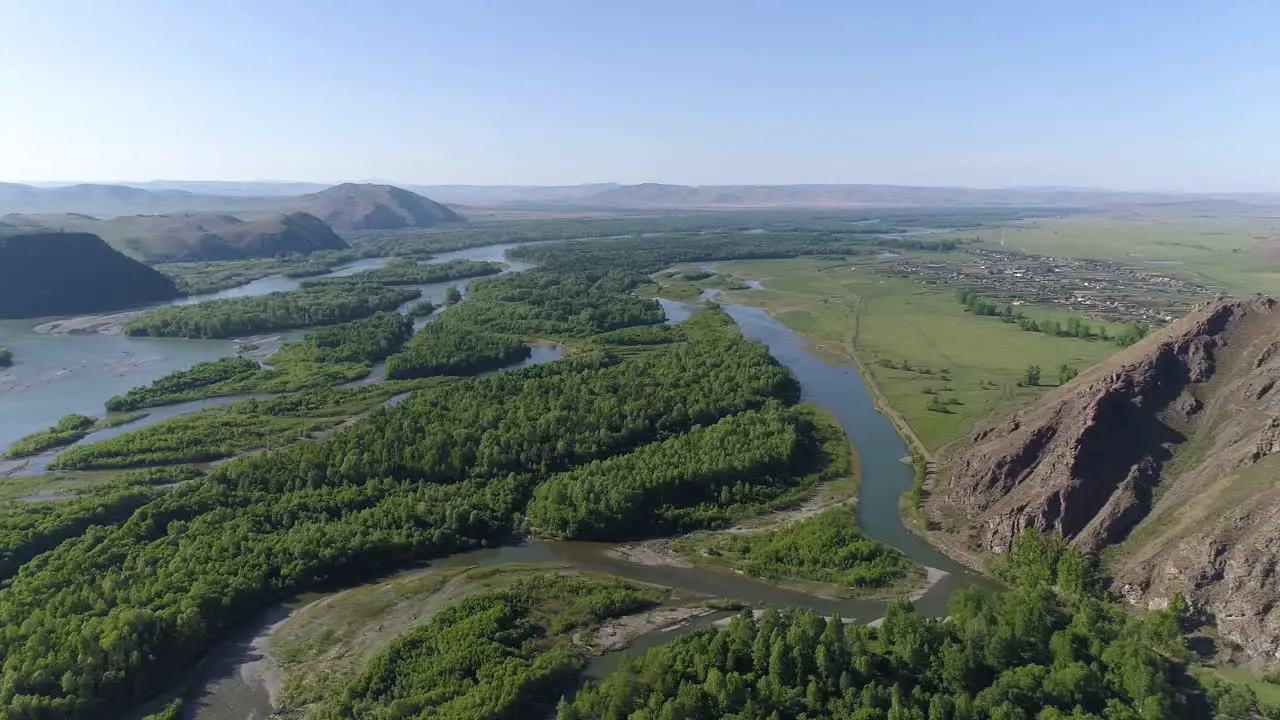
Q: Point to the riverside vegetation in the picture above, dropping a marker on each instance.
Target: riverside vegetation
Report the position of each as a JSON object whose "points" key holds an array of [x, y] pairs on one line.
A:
{"points": [[409, 272], [452, 467], [325, 356], [232, 317], [498, 654], [68, 430], [98, 619], [1052, 647]]}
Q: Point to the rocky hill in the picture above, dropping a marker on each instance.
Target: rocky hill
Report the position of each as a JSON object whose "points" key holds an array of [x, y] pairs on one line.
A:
{"points": [[1166, 455], [196, 236], [71, 273], [353, 206]]}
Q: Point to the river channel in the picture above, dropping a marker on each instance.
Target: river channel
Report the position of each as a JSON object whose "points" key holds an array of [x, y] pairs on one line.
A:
{"points": [[57, 374], [231, 686], [60, 374]]}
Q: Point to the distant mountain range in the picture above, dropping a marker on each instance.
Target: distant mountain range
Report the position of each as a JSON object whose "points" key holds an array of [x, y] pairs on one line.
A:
{"points": [[411, 203], [181, 225], [194, 236]]}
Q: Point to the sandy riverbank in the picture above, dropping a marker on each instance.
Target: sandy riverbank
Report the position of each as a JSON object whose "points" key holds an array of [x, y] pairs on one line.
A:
{"points": [[620, 633], [111, 324]]}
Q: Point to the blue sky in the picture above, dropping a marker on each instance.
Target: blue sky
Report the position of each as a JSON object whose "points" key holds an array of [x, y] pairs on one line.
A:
{"points": [[1127, 93]]}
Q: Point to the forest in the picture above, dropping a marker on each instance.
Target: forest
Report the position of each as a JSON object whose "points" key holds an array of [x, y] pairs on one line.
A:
{"points": [[110, 616], [704, 478], [498, 654], [650, 254], [69, 429], [1051, 647], [826, 548], [327, 355], [537, 304], [445, 347], [234, 317], [223, 432], [409, 272]]}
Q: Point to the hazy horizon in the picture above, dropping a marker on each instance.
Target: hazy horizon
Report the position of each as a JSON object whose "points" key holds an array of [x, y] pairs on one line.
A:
{"points": [[398, 183], [1137, 96]]}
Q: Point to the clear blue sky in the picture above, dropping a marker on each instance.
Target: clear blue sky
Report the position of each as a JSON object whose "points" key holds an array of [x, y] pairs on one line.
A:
{"points": [[1130, 94]]}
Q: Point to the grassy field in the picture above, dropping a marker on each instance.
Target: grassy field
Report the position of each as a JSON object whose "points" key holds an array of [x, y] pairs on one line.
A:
{"points": [[1215, 252], [971, 365]]}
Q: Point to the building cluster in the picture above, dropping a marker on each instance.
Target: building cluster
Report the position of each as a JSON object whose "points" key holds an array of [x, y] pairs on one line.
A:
{"points": [[1101, 289]]}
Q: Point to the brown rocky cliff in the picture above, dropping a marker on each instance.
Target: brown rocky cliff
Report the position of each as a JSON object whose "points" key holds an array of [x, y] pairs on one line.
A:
{"points": [[1166, 451]]}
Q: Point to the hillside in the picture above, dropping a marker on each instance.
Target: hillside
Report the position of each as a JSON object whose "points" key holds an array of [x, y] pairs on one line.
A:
{"points": [[352, 206], [1166, 455], [68, 273], [196, 236]]}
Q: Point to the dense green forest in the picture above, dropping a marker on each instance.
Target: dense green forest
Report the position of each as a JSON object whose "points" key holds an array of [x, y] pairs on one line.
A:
{"points": [[421, 309], [367, 341], [232, 317], [230, 430], [325, 356], [409, 272], [110, 616], [6, 356], [826, 548], [703, 478], [1030, 652], [537, 304], [28, 529], [445, 347], [200, 380], [69, 429], [499, 654], [651, 254]]}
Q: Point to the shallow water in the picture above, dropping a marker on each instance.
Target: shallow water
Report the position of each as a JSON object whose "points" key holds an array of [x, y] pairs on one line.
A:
{"points": [[54, 375]]}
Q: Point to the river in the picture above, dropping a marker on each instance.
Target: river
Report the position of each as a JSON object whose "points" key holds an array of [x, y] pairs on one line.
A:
{"points": [[54, 375], [59, 374], [230, 684]]}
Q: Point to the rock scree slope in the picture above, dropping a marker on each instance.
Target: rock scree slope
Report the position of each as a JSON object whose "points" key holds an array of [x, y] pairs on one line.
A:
{"points": [[1166, 454]]}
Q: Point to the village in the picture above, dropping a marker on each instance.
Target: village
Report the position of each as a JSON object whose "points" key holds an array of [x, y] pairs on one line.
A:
{"points": [[1100, 289]]}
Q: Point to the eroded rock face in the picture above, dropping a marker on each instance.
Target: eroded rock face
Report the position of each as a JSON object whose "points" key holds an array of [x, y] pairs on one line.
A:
{"points": [[1167, 450]]}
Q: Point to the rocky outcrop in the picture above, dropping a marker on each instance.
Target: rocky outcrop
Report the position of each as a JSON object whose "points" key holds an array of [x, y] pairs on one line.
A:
{"points": [[1166, 452]]}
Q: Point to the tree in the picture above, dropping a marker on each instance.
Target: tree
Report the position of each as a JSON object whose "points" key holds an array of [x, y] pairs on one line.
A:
{"points": [[1066, 373], [452, 295], [1031, 377]]}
